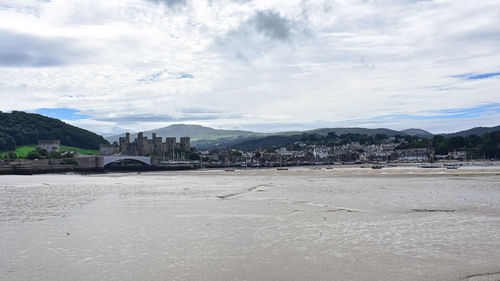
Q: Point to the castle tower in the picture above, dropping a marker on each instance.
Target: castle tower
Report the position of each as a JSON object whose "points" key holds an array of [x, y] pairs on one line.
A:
{"points": [[124, 143], [140, 143], [185, 143], [157, 145]]}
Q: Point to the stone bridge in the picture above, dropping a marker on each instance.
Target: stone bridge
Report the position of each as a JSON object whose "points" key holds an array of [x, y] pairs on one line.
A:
{"points": [[144, 159]]}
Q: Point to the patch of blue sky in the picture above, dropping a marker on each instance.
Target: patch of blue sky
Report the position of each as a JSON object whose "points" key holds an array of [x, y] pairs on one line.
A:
{"points": [[152, 77], [5, 7], [164, 75], [446, 88], [185, 76], [461, 113], [476, 76], [62, 113]]}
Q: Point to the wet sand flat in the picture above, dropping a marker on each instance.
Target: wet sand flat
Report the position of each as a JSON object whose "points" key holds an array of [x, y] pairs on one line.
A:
{"points": [[301, 224]]}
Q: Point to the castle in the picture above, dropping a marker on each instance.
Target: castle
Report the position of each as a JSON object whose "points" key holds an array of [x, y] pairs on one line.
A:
{"points": [[142, 146], [50, 145]]}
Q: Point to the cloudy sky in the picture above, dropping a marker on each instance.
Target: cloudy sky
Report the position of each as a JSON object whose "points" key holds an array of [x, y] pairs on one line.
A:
{"points": [[248, 64]]}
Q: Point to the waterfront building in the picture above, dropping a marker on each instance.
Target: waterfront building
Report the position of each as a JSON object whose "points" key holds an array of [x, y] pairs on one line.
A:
{"points": [[50, 145]]}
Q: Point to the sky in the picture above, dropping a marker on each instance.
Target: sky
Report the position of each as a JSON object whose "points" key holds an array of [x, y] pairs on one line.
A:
{"points": [[112, 66]]}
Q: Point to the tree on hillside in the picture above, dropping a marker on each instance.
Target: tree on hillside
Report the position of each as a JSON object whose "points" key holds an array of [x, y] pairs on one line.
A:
{"points": [[21, 128], [6, 142]]}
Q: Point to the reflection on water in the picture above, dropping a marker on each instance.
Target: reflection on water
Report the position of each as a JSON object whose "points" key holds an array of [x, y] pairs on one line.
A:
{"points": [[250, 225]]}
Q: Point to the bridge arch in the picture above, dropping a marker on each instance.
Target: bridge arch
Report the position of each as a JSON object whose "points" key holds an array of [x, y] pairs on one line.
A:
{"points": [[112, 159]]}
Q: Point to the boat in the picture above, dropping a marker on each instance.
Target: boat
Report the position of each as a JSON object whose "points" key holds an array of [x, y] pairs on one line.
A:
{"points": [[281, 168], [451, 167], [229, 170], [377, 166], [430, 166]]}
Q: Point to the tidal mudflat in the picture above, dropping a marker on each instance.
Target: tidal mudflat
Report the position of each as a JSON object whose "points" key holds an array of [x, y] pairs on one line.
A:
{"points": [[338, 224]]}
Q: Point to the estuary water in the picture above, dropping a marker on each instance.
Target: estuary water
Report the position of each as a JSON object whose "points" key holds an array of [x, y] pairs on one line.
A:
{"points": [[338, 224]]}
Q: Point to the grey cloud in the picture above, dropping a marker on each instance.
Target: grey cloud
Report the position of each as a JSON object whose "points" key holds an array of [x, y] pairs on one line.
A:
{"points": [[242, 44], [211, 2], [274, 127], [166, 117], [272, 24], [171, 3], [199, 110], [137, 118], [18, 50]]}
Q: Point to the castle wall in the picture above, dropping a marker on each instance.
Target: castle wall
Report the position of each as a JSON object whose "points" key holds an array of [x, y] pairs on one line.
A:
{"points": [[107, 149], [143, 146]]}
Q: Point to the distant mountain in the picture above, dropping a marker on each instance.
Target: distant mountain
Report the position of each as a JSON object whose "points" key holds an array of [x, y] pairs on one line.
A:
{"points": [[21, 128], [363, 131], [474, 131], [201, 137], [205, 138], [267, 141], [417, 132]]}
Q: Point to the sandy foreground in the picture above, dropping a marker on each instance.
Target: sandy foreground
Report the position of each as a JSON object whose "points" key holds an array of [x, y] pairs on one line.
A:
{"points": [[301, 224]]}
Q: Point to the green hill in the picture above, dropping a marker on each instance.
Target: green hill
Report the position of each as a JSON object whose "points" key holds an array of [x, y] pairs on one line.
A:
{"points": [[362, 131], [418, 132], [478, 131], [268, 141], [21, 128], [209, 138], [205, 138]]}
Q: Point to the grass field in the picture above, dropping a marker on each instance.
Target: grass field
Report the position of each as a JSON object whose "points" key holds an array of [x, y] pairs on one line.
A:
{"points": [[22, 151]]}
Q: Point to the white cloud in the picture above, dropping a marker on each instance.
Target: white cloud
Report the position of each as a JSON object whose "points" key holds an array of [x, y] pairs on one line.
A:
{"points": [[259, 64]]}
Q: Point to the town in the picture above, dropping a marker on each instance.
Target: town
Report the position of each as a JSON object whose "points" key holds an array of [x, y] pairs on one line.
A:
{"points": [[172, 153], [156, 153]]}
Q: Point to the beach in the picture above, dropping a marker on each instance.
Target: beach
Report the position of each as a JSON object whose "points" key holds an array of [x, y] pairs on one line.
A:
{"points": [[397, 223]]}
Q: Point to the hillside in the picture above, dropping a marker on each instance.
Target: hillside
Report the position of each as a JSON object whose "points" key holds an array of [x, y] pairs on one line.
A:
{"points": [[474, 131], [21, 128], [362, 131], [268, 141], [417, 132], [285, 138], [205, 138]]}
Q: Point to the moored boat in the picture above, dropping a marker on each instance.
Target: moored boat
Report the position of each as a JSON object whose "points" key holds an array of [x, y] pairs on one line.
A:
{"points": [[430, 166]]}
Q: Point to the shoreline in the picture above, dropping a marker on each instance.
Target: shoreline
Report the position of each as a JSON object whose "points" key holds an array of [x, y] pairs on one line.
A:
{"points": [[485, 167]]}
